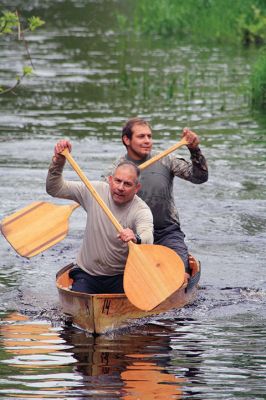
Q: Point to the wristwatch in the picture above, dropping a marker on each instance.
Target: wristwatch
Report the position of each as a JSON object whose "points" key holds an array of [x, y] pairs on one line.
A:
{"points": [[138, 239]]}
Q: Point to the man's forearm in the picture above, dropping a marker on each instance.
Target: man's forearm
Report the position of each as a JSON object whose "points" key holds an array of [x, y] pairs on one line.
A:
{"points": [[200, 167], [54, 180]]}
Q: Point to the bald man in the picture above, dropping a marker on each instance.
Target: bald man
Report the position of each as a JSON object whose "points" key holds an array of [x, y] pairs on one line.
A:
{"points": [[101, 260]]}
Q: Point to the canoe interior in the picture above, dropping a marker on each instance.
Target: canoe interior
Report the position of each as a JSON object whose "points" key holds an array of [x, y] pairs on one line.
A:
{"points": [[99, 313]]}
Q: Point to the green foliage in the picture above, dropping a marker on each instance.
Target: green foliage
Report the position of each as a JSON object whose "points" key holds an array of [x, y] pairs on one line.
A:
{"points": [[10, 23], [258, 82], [253, 29], [27, 70], [217, 21], [34, 23], [121, 21]]}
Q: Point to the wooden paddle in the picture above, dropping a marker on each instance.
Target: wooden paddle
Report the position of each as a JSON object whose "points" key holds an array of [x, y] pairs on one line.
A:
{"points": [[37, 227], [41, 225], [163, 154], [152, 272]]}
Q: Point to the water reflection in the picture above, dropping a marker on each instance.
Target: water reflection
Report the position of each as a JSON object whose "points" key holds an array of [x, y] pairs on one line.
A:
{"points": [[24, 339], [131, 366], [47, 362], [33, 358], [172, 358]]}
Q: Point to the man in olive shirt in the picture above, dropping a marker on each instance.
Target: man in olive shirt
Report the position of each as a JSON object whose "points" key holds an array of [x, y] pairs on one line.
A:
{"points": [[102, 257], [157, 180]]}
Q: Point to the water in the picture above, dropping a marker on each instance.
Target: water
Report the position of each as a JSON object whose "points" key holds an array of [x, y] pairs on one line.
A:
{"points": [[90, 78], [176, 358]]}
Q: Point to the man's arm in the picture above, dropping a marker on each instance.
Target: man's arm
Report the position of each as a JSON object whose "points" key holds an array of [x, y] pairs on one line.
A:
{"points": [[144, 223], [199, 165], [195, 171], [56, 186]]}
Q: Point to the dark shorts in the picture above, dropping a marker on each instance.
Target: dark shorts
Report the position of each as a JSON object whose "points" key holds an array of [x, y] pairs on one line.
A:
{"points": [[174, 238], [86, 283]]}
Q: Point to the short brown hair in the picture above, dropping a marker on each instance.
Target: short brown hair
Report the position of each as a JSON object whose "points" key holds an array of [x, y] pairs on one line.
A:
{"points": [[127, 128]]}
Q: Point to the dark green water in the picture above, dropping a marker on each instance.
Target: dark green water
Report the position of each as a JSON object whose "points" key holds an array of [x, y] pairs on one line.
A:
{"points": [[90, 77]]}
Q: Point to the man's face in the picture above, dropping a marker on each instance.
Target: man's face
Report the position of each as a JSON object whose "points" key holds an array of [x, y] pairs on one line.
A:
{"points": [[123, 184], [140, 143]]}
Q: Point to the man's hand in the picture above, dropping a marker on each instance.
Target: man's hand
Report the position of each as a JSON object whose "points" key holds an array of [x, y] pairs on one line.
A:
{"points": [[191, 137], [126, 235], [60, 146]]}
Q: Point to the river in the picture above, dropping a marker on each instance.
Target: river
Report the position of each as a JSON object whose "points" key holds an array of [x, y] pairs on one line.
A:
{"points": [[90, 77]]}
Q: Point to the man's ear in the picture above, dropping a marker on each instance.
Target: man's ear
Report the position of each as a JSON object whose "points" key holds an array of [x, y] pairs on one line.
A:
{"points": [[126, 140], [138, 186], [110, 179]]}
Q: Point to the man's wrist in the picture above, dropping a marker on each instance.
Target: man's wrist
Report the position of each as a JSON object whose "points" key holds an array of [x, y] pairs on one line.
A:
{"points": [[138, 239], [58, 161], [194, 150]]}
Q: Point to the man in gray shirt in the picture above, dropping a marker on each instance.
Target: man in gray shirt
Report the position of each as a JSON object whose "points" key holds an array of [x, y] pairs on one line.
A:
{"points": [[157, 180], [102, 257]]}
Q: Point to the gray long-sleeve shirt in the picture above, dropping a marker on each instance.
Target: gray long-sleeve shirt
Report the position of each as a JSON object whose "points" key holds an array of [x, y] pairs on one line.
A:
{"points": [[157, 183], [101, 252]]}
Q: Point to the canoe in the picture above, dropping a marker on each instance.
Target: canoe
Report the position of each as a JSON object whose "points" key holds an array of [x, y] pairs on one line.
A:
{"points": [[100, 313]]}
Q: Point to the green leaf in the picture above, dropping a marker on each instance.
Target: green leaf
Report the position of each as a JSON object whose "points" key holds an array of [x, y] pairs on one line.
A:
{"points": [[35, 22], [27, 70], [8, 22]]}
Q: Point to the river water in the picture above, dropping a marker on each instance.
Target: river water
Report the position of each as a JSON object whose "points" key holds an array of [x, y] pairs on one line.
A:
{"points": [[90, 77]]}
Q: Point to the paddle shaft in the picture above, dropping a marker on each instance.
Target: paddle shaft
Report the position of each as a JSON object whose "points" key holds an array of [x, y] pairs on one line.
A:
{"points": [[163, 154], [89, 186]]}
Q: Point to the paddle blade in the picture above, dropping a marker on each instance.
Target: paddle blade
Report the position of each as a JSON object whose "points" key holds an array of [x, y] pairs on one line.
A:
{"points": [[37, 227], [152, 274]]}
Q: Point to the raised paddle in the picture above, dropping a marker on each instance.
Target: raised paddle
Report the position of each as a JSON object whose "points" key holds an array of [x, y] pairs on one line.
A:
{"points": [[163, 154], [152, 272], [41, 225], [37, 227]]}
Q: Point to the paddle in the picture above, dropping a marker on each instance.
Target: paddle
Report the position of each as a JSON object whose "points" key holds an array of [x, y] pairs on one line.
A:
{"points": [[46, 224], [152, 272], [163, 153], [37, 227]]}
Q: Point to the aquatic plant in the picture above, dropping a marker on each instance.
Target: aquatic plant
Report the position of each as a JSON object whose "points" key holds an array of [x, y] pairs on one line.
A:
{"points": [[216, 21], [258, 81], [252, 27]]}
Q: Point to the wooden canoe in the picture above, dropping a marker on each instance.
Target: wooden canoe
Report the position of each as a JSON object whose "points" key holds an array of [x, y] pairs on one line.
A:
{"points": [[100, 313]]}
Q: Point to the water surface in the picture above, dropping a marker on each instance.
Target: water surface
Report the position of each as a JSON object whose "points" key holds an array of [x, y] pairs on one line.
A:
{"points": [[91, 77]]}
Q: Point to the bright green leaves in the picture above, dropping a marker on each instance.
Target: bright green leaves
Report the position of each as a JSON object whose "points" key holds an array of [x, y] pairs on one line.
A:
{"points": [[10, 23], [27, 70], [34, 23]]}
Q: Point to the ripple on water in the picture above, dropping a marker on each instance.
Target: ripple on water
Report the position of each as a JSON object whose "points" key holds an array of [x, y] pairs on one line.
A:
{"points": [[173, 357]]}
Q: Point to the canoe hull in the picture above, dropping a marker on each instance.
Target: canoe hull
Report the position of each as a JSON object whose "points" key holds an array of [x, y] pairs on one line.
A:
{"points": [[100, 313]]}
